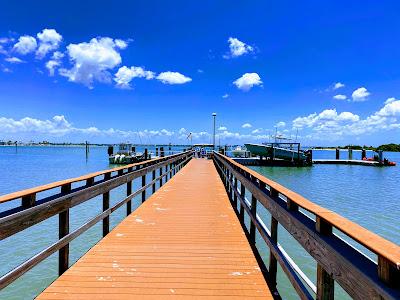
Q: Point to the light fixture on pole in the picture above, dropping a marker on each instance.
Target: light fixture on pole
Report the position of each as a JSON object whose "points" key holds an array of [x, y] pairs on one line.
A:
{"points": [[214, 115]]}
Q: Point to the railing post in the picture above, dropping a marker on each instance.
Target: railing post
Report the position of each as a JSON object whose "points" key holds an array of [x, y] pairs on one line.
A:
{"points": [[387, 272], [28, 201], [128, 192], [235, 186], [161, 183], [274, 237], [106, 205], [166, 173], [153, 177], [63, 230], [144, 184], [253, 213], [243, 195], [325, 282]]}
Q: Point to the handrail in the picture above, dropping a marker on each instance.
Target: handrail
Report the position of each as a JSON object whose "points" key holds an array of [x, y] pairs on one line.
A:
{"points": [[336, 259], [363, 236], [56, 184], [15, 220]]}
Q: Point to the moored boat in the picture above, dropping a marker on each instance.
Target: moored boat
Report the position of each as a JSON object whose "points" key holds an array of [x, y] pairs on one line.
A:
{"points": [[273, 150]]}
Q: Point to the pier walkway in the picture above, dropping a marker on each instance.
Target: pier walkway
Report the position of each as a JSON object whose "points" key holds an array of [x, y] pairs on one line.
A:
{"points": [[185, 241]]}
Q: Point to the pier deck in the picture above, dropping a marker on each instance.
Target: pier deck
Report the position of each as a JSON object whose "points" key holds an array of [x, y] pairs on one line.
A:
{"points": [[184, 241]]}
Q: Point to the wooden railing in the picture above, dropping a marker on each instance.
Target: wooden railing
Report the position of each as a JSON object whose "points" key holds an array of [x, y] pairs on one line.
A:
{"points": [[337, 260], [32, 210]]}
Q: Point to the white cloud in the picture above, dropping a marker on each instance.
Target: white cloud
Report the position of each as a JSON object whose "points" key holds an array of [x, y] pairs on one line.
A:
{"points": [[338, 85], [340, 97], [125, 75], [55, 62], [92, 61], [200, 71], [225, 96], [14, 60], [237, 48], [332, 125], [360, 94], [281, 124], [247, 81], [49, 40], [257, 131], [221, 128], [121, 44], [173, 78], [26, 44], [246, 125]]}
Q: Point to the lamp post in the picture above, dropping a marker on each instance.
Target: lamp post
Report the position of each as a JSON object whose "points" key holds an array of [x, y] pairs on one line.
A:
{"points": [[214, 115]]}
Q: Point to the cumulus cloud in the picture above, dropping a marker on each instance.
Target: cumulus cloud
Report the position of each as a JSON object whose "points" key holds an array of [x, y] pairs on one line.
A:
{"points": [[340, 97], [338, 85], [246, 125], [222, 128], [49, 40], [125, 75], [14, 60], [247, 81], [360, 94], [26, 44], [173, 78], [225, 96], [92, 61], [257, 131], [237, 48], [331, 124], [280, 124], [55, 62]]}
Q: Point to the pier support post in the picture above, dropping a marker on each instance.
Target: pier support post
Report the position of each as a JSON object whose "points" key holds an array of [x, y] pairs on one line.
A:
{"points": [[325, 282], [272, 270], [337, 153], [363, 154], [63, 230], [106, 205], [254, 214], [146, 155], [156, 151]]}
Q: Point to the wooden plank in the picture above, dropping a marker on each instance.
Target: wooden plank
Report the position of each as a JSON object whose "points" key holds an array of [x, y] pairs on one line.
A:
{"points": [[189, 215]]}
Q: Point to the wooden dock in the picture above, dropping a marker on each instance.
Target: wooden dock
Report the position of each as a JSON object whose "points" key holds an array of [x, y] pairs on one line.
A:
{"points": [[190, 238], [185, 241]]}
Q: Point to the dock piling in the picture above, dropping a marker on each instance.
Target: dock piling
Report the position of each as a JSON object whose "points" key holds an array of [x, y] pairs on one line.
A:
{"points": [[337, 153]]}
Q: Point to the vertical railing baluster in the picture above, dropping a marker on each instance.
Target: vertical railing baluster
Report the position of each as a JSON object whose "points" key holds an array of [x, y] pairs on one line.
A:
{"points": [[243, 195], [272, 270], [235, 186], [166, 173], [144, 184], [28, 200], [106, 205], [325, 282], [161, 179], [153, 178], [128, 192], [63, 230]]}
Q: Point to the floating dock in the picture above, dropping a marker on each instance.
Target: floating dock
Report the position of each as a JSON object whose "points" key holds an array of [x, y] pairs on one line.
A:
{"points": [[346, 162]]}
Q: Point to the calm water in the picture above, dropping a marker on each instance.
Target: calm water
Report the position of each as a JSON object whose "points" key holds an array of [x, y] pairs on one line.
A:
{"points": [[366, 195]]}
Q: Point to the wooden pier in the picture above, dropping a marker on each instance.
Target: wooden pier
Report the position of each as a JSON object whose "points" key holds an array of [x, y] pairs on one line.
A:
{"points": [[190, 238]]}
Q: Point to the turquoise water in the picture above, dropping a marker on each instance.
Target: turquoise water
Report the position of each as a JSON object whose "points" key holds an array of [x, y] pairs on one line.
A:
{"points": [[366, 195]]}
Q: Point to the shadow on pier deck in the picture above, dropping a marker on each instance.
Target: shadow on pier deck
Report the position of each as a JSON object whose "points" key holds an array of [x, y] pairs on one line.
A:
{"points": [[185, 241]]}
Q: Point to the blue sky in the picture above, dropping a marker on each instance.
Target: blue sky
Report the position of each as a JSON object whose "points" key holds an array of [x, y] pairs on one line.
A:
{"points": [[92, 70]]}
